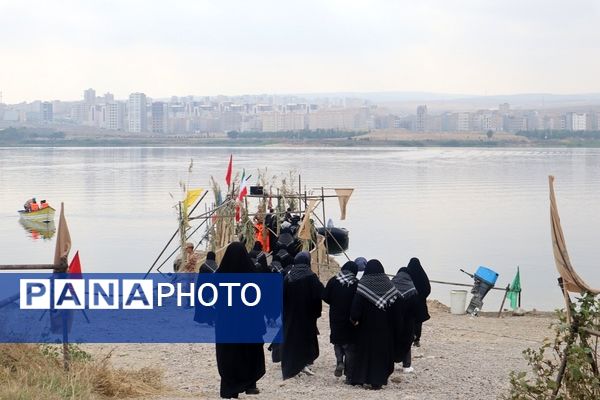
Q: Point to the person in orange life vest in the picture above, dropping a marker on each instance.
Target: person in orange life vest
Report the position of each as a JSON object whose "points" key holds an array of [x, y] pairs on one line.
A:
{"points": [[43, 204], [34, 206], [264, 240]]}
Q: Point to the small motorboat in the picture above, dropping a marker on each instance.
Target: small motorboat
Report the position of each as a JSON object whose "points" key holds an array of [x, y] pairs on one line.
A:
{"points": [[337, 239], [44, 212]]}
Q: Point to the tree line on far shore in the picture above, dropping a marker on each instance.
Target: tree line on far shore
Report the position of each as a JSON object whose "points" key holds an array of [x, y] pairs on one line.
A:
{"points": [[549, 134], [20, 135], [297, 135]]}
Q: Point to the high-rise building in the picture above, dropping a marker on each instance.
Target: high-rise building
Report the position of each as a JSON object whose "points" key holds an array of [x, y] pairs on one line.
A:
{"points": [[109, 98], [160, 123], [80, 112], [576, 121], [463, 121], [421, 121], [47, 111], [277, 121], [114, 116], [137, 112], [89, 96]]}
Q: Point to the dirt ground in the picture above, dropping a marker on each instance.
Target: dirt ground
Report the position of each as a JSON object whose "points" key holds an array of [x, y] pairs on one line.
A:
{"points": [[460, 357]]}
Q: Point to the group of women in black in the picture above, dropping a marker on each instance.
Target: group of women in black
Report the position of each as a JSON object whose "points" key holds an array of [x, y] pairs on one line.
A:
{"points": [[374, 322]]}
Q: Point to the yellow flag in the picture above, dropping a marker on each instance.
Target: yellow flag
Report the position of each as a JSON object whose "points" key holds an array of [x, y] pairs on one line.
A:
{"points": [[191, 197]]}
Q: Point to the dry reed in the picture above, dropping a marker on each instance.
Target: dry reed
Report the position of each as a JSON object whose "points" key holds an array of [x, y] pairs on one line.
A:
{"points": [[31, 372]]}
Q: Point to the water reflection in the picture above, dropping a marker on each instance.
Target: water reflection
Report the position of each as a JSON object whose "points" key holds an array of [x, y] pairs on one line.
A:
{"points": [[38, 230]]}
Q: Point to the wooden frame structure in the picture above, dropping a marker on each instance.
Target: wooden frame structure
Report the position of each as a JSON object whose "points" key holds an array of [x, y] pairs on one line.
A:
{"points": [[302, 197], [568, 281]]}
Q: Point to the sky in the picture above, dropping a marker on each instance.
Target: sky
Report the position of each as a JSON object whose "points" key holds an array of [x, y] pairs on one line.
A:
{"points": [[56, 49]]}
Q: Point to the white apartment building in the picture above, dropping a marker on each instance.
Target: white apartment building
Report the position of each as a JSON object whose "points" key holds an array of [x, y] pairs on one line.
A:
{"points": [[421, 122], [337, 119], [463, 122], [80, 112], [277, 121], [137, 113], [576, 121], [114, 116], [89, 96]]}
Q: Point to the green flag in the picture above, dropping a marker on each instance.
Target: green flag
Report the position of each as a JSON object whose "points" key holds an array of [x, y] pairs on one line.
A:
{"points": [[515, 289]]}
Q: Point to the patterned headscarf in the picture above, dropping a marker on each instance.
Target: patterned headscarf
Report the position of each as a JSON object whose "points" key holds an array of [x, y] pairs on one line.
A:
{"points": [[301, 268], [347, 275], [376, 287]]}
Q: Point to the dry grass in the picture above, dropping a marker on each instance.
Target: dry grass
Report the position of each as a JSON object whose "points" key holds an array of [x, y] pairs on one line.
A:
{"points": [[31, 372]]}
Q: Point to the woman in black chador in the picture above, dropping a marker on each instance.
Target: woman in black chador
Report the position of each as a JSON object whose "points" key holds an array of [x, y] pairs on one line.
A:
{"points": [[421, 281], [210, 265], [374, 312], [302, 292], [405, 334], [240, 365], [339, 293]]}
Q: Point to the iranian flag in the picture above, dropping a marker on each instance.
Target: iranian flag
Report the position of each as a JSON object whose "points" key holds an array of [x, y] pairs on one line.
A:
{"points": [[243, 187]]}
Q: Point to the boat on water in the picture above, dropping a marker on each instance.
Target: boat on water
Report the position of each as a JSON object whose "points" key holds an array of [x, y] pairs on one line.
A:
{"points": [[42, 214], [338, 239]]}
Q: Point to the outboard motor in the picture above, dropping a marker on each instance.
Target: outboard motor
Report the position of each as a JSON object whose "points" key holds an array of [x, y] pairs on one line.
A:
{"points": [[484, 280]]}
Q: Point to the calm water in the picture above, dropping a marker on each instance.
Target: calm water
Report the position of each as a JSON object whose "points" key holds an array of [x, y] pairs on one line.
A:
{"points": [[450, 207]]}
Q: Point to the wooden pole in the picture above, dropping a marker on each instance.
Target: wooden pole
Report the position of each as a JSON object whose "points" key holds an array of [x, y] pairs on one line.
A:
{"points": [[178, 247], [19, 267], [590, 331], [460, 284], [503, 300], [334, 239], [325, 219], [563, 362], [172, 237], [182, 236]]}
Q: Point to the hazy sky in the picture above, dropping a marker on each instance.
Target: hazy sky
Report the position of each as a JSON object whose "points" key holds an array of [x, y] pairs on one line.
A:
{"points": [[55, 49]]}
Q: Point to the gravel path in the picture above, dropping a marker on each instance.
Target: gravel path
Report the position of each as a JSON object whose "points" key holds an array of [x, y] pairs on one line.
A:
{"points": [[460, 358]]}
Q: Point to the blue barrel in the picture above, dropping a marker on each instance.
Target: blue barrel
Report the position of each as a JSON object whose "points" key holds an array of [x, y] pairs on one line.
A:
{"points": [[486, 275]]}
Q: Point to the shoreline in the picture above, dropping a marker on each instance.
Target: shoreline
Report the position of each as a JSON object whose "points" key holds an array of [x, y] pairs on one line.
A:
{"points": [[313, 144], [70, 136]]}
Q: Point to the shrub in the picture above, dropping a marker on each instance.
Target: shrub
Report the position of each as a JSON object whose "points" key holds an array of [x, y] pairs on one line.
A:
{"points": [[580, 381]]}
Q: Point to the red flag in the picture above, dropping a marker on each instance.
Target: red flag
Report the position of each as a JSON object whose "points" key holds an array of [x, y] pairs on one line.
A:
{"points": [[75, 266], [237, 213], [229, 169]]}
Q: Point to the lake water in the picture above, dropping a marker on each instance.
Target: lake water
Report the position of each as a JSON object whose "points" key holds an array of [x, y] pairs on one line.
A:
{"points": [[452, 208]]}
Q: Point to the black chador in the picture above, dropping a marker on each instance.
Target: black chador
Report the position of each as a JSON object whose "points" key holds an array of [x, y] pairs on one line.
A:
{"points": [[421, 281], [409, 305], [339, 293], [302, 292], [373, 311], [240, 365], [206, 315]]}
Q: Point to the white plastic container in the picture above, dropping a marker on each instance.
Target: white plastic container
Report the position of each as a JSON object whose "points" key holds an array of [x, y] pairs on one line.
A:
{"points": [[458, 302]]}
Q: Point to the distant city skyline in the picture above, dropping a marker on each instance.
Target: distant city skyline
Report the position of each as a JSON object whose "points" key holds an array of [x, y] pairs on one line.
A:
{"points": [[141, 114], [50, 50]]}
